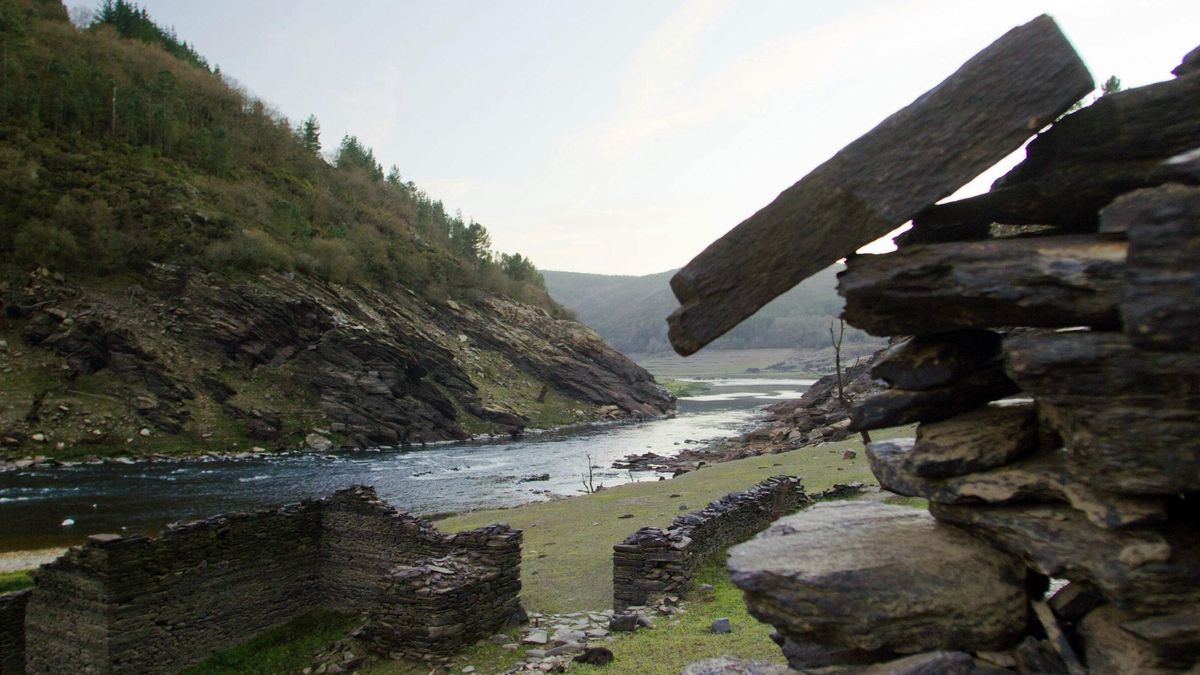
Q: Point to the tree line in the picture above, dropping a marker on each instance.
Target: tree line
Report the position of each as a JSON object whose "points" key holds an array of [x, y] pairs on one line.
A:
{"points": [[140, 149]]}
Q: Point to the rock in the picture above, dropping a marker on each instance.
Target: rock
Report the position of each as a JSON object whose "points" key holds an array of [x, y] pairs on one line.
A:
{"points": [[534, 478], [980, 439], [870, 187], [144, 432], [1075, 600], [38, 438], [721, 625], [468, 669], [499, 639], [1176, 636], [596, 632], [849, 454], [927, 361], [895, 407], [986, 284], [728, 665], [1128, 417], [596, 656], [535, 653], [1136, 568], [1111, 648], [565, 648], [877, 578], [625, 622], [1040, 478], [536, 637], [318, 442]]}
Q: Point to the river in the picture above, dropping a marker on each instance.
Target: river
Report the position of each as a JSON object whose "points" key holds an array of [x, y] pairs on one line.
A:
{"points": [[144, 496]]}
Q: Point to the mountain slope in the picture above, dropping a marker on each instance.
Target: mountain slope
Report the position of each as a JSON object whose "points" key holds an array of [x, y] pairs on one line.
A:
{"points": [[181, 271], [630, 312]]}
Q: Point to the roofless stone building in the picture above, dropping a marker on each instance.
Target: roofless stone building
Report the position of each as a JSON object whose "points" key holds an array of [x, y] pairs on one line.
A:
{"points": [[1046, 341]]}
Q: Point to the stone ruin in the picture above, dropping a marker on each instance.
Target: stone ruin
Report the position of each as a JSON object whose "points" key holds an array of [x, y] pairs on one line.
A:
{"points": [[155, 605], [654, 562], [1051, 362]]}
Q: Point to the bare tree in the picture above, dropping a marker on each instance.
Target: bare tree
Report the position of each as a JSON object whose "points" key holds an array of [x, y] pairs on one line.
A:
{"points": [[589, 486], [835, 337]]}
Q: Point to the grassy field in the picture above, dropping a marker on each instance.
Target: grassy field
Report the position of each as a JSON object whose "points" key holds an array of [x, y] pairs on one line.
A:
{"points": [[714, 362], [14, 581]]}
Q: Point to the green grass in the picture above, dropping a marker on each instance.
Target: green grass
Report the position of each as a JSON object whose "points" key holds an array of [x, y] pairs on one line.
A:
{"points": [[286, 649], [14, 581], [681, 388], [566, 557], [677, 641]]}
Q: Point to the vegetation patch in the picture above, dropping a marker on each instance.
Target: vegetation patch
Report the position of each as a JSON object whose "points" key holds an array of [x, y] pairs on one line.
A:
{"points": [[14, 581], [683, 388], [286, 649]]}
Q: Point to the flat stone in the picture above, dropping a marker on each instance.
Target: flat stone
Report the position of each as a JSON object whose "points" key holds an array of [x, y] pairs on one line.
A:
{"points": [[873, 577], [721, 625], [1044, 477], [728, 665], [1146, 570], [623, 623], [1073, 601], [980, 439], [537, 637]]}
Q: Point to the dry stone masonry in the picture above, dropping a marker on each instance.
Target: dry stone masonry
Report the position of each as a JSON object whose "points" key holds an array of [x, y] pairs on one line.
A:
{"points": [[154, 605], [653, 562], [12, 632], [1045, 341]]}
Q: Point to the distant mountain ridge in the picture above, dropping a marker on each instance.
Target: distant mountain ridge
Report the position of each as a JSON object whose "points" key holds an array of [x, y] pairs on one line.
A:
{"points": [[630, 311]]}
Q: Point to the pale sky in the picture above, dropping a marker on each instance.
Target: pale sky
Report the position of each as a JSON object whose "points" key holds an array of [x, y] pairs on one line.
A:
{"points": [[623, 136]]}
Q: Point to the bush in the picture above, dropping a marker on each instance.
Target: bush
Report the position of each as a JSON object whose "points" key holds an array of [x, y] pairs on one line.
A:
{"points": [[249, 250], [39, 244]]}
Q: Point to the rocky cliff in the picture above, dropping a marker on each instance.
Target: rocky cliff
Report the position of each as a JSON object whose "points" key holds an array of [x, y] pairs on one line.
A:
{"points": [[188, 361]]}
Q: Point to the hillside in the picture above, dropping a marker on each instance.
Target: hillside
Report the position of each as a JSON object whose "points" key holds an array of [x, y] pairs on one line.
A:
{"points": [[630, 312], [183, 269]]}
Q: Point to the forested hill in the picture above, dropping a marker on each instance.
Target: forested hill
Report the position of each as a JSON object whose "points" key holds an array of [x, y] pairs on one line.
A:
{"points": [[122, 148], [184, 268], [630, 312]]}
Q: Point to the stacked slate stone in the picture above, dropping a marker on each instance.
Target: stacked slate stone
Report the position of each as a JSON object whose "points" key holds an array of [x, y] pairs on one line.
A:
{"points": [[1052, 363], [1051, 360], [438, 606], [654, 562]]}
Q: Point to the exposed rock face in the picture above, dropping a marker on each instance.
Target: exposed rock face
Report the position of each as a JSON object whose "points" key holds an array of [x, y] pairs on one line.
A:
{"points": [[375, 366], [866, 580], [984, 438]]}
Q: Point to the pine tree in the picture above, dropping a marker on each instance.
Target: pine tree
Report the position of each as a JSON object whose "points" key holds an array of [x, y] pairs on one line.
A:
{"points": [[310, 135]]}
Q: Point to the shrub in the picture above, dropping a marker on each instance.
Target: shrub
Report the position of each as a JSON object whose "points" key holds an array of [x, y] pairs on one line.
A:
{"points": [[39, 244]]}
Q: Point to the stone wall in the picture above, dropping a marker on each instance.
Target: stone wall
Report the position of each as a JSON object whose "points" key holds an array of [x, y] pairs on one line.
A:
{"points": [[150, 605], [12, 633], [654, 561]]}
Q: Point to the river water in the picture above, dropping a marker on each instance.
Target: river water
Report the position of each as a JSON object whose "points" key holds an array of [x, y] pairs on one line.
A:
{"points": [[142, 497]]}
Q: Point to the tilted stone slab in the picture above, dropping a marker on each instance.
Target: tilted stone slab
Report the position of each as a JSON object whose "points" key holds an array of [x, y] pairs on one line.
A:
{"points": [[1051, 282], [919, 155], [981, 439], [1145, 570], [1040, 478], [1112, 647], [1087, 159], [879, 579]]}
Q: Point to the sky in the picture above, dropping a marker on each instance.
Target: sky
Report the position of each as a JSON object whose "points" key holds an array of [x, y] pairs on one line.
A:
{"points": [[624, 136]]}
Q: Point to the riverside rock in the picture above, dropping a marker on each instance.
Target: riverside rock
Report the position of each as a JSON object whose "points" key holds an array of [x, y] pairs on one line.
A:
{"points": [[868, 580]]}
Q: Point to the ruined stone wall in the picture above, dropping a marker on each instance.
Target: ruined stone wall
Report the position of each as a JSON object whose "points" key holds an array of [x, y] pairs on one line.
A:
{"points": [[137, 604], [12, 632], [155, 605], [654, 561]]}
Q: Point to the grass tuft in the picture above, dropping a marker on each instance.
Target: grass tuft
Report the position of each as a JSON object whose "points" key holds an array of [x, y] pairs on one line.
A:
{"points": [[287, 649]]}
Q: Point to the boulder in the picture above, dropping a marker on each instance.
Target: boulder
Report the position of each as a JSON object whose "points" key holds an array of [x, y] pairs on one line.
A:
{"points": [[881, 580], [728, 665]]}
